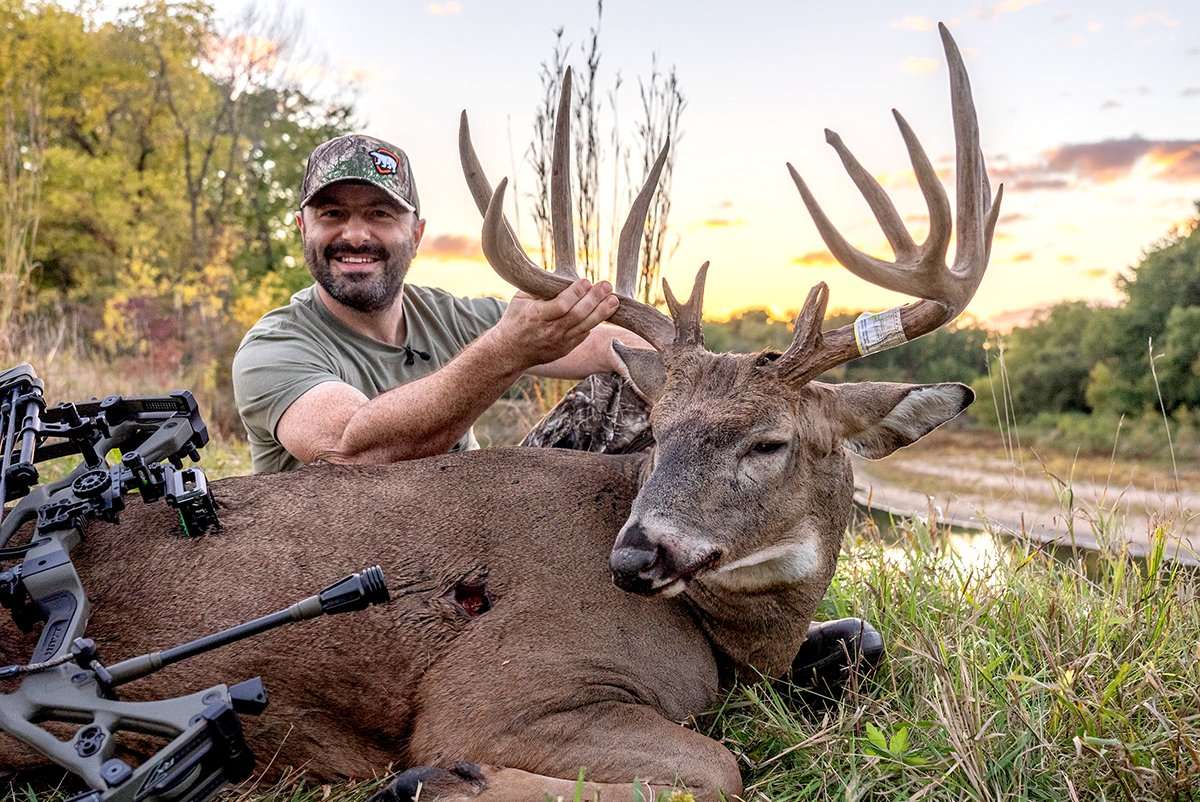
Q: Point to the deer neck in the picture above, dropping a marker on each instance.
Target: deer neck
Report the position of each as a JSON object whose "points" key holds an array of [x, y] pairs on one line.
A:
{"points": [[760, 631]]}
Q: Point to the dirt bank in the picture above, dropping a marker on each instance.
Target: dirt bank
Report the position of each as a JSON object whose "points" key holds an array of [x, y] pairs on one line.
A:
{"points": [[969, 478]]}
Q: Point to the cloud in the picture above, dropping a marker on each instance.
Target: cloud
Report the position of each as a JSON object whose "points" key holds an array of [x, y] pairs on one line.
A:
{"points": [[1095, 272], [916, 218], [450, 8], [1095, 27], [1150, 18], [1110, 104], [1111, 159], [452, 247], [1067, 258], [1023, 256], [723, 222], [920, 65], [1191, 91], [1192, 51], [1077, 40], [1062, 16], [1032, 184], [815, 259], [1012, 6], [1066, 166], [914, 24], [1012, 217]]}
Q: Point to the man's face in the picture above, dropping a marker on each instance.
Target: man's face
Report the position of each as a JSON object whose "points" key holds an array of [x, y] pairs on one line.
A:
{"points": [[358, 244]]}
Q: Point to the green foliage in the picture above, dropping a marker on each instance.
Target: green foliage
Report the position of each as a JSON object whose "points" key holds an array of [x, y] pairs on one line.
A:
{"points": [[1081, 359], [174, 146], [169, 137], [747, 331]]}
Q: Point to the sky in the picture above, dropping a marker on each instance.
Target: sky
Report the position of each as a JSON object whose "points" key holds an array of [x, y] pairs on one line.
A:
{"points": [[1089, 114]]}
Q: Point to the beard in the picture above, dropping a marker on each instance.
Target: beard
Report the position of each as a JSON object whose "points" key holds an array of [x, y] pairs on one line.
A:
{"points": [[361, 292]]}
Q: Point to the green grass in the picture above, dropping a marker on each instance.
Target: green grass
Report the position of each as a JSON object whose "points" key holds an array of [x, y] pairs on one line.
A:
{"points": [[1026, 678]]}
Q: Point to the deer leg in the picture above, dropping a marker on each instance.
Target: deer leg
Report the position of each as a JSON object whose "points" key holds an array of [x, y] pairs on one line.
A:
{"points": [[626, 753], [470, 781]]}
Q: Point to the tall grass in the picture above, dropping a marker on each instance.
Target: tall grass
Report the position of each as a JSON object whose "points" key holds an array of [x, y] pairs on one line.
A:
{"points": [[1025, 677]]}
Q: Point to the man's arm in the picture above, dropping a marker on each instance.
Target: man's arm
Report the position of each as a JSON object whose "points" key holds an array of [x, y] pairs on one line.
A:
{"points": [[337, 423]]}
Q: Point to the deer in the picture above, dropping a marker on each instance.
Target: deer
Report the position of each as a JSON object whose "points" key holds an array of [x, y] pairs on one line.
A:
{"points": [[556, 611]]}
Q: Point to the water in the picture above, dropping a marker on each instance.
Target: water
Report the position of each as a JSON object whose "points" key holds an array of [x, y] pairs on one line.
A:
{"points": [[974, 548]]}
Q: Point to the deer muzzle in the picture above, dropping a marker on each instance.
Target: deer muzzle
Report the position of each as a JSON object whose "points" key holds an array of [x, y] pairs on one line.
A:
{"points": [[651, 563]]}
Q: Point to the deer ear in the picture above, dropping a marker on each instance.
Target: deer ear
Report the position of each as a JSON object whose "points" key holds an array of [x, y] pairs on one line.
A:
{"points": [[876, 418], [644, 369]]}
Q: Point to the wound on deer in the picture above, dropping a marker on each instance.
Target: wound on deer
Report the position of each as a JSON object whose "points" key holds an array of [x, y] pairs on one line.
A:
{"points": [[472, 596]]}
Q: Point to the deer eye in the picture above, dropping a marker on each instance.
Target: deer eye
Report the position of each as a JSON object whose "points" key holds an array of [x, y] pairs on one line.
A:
{"points": [[768, 447]]}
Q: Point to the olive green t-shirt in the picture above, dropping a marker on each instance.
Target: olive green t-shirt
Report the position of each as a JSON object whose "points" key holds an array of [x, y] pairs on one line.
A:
{"points": [[296, 347]]}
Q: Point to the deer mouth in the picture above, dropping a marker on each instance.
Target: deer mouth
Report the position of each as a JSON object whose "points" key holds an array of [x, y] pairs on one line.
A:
{"points": [[676, 584]]}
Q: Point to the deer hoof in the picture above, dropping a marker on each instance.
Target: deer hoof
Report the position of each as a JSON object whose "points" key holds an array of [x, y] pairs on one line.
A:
{"points": [[428, 783]]}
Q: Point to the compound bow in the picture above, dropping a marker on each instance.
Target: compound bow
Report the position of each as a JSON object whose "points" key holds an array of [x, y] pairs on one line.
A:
{"points": [[64, 680]]}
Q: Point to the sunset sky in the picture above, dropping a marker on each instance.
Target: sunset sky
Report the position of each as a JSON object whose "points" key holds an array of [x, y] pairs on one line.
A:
{"points": [[1089, 112]]}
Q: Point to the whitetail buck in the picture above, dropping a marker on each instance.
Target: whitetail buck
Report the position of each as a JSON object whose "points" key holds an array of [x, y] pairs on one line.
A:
{"points": [[508, 645]]}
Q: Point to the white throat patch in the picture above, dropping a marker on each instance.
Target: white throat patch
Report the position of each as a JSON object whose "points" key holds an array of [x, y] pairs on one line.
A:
{"points": [[786, 563]]}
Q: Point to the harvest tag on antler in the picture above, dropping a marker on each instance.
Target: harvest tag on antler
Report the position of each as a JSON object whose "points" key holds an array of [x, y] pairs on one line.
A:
{"points": [[874, 332]]}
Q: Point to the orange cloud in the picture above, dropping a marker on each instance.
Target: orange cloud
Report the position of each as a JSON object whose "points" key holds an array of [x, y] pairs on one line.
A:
{"points": [[447, 9], [815, 259], [920, 65], [1067, 259], [723, 222], [914, 24], [450, 247], [1103, 162], [1023, 256], [1154, 18], [1013, 6]]}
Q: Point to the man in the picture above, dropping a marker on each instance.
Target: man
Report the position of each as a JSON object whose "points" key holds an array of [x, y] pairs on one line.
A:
{"points": [[361, 367]]}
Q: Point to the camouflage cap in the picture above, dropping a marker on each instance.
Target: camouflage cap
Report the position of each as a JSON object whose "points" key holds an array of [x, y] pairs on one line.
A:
{"points": [[354, 157]]}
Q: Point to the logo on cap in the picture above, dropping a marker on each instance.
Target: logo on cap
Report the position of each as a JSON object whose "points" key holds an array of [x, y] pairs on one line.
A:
{"points": [[386, 162]]}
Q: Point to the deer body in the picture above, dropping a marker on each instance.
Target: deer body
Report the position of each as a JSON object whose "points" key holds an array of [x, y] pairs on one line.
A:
{"points": [[438, 675]]}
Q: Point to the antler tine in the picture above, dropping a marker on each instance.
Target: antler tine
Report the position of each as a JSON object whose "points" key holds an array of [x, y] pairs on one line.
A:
{"points": [[863, 265], [561, 221], [940, 222], [630, 244], [689, 317], [945, 290], [477, 182], [508, 259], [889, 219]]}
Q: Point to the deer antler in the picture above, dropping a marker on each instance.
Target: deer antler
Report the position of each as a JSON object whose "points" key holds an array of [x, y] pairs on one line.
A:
{"points": [[918, 270], [507, 258]]}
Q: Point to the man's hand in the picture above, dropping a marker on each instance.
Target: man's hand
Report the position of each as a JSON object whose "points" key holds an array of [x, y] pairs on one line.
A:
{"points": [[534, 332]]}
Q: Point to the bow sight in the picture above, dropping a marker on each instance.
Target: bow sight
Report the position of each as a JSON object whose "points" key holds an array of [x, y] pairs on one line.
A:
{"points": [[65, 681]]}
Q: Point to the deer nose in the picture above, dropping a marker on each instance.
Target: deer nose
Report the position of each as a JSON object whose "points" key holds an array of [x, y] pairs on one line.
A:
{"points": [[634, 561]]}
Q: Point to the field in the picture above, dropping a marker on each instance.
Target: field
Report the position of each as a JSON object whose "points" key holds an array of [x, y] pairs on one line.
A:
{"points": [[1015, 675]]}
